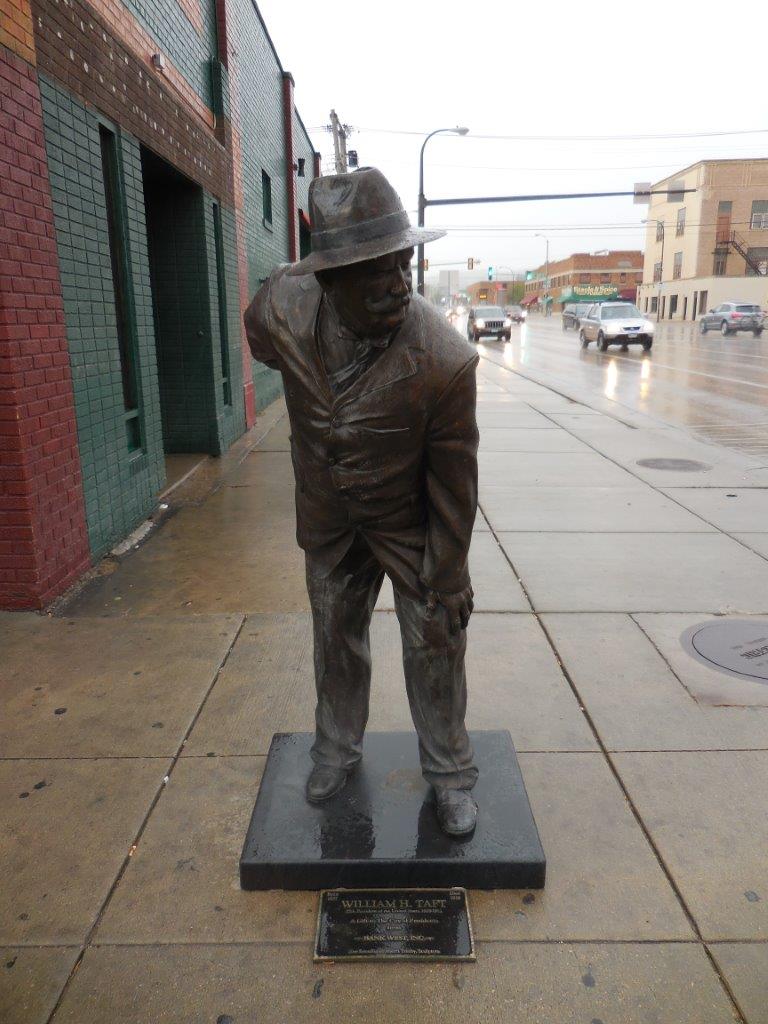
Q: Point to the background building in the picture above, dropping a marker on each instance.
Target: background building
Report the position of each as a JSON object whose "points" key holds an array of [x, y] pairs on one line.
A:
{"points": [[708, 246], [585, 277], [154, 171], [500, 293]]}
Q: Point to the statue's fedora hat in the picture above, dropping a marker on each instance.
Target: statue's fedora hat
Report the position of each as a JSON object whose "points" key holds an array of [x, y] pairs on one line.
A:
{"points": [[356, 217]]}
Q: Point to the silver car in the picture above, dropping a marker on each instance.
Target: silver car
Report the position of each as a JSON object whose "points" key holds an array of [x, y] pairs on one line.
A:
{"points": [[730, 317], [615, 323]]}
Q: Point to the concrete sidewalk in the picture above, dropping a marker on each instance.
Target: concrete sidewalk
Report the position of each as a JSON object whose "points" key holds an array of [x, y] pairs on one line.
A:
{"points": [[136, 721]]}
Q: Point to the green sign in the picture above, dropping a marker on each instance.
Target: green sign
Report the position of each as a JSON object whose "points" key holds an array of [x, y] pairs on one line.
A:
{"points": [[587, 292]]}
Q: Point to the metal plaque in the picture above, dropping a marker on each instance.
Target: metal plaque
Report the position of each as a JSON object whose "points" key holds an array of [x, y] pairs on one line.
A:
{"points": [[738, 647], [394, 924], [676, 465]]}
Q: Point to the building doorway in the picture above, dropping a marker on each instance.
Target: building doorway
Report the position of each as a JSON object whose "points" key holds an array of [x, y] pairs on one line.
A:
{"points": [[178, 265], [685, 307]]}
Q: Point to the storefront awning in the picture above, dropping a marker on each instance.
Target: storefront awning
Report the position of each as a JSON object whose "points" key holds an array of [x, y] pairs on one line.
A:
{"points": [[529, 299]]}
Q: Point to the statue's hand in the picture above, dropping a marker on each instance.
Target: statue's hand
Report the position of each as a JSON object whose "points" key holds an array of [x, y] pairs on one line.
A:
{"points": [[459, 607]]}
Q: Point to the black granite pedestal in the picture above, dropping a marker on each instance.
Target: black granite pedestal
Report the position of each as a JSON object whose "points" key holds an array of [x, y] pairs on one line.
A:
{"points": [[381, 830]]}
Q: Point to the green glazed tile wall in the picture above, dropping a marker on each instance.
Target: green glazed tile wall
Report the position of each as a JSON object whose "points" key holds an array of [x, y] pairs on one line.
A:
{"points": [[119, 486], [176, 36], [228, 421], [259, 119]]}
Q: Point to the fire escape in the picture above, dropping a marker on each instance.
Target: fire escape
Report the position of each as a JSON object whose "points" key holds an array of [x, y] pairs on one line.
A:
{"points": [[727, 240]]}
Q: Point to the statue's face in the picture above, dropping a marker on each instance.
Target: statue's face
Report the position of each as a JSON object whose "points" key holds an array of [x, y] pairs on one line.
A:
{"points": [[371, 297]]}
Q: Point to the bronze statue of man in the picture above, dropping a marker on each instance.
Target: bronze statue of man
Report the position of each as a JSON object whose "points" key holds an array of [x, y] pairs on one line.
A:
{"points": [[381, 394]]}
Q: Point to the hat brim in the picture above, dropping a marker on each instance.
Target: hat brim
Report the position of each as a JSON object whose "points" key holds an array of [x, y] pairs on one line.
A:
{"points": [[362, 251]]}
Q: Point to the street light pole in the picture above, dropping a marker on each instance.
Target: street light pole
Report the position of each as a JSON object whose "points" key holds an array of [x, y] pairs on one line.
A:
{"points": [[423, 202]]}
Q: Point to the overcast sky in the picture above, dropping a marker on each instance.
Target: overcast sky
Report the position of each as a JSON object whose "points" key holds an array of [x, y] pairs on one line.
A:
{"points": [[397, 70]]}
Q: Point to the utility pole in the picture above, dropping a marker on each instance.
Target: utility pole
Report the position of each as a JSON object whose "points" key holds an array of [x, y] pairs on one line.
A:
{"points": [[340, 133]]}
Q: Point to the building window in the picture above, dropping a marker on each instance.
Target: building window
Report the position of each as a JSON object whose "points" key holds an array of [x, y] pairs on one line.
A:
{"points": [[657, 272], [659, 230], [622, 277], [680, 227], [759, 221], [585, 278], [672, 305], [677, 266], [720, 263], [758, 257], [703, 296], [605, 278], [124, 312], [654, 303], [266, 197], [723, 228], [646, 304]]}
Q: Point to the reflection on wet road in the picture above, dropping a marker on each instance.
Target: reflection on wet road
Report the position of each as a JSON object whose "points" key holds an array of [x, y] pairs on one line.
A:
{"points": [[715, 387]]}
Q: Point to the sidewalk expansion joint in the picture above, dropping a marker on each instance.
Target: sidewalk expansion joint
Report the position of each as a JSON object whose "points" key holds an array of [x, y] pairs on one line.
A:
{"points": [[174, 759], [620, 783]]}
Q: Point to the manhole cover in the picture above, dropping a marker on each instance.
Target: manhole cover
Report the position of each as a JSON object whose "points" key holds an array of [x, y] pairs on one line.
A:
{"points": [[736, 646], [681, 465]]}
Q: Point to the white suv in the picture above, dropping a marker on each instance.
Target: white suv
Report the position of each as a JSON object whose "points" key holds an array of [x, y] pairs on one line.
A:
{"points": [[615, 323]]}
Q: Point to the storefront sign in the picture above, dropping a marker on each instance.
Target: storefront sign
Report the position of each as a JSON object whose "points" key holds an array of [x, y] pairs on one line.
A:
{"points": [[587, 292]]}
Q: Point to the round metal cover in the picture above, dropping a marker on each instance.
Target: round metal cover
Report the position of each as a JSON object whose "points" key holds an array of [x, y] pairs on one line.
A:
{"points": [[681, 465], [738, 647]]}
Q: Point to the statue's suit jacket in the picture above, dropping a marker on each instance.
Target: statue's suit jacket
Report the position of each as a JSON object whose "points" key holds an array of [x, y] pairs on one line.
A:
{"points": [[393, 457]]}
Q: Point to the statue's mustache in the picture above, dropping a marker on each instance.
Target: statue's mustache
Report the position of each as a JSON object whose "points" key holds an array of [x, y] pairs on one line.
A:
{"points": [[388, 305]]}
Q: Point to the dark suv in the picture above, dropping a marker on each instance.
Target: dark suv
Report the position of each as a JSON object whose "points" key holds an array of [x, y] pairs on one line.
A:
{"points": [[572, 314], [492, 320]]}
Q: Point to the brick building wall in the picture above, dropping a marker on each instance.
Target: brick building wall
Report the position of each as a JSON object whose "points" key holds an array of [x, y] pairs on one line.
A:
{"points": [[620, 269], [43, 541], [689, 267], [114, 355]]}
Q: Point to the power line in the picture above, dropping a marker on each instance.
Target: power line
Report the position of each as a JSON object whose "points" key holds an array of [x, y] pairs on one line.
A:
{"points": [[572, 138]]}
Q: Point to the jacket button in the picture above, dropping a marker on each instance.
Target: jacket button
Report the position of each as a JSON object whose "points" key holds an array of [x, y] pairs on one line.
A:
{"points": [[332, 460]]}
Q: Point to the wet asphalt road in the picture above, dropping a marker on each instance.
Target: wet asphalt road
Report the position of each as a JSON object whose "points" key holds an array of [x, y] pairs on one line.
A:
{"points": [[715, 387]]}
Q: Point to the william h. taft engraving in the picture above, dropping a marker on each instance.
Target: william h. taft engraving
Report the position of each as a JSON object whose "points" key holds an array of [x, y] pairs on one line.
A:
{"points": [[380, 391]]}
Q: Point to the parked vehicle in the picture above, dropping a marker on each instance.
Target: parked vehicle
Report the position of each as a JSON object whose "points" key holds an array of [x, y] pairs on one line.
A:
{"points": [[485, 320], [572, 314], [730, 317], [615, 323], [516, 314]]}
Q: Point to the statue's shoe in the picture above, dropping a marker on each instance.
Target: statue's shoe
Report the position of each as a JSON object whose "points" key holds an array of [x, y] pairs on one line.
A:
{"points": [[456, 811], [324, 782]]}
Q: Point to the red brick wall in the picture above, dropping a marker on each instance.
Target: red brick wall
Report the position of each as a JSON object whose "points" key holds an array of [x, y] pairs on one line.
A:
{"points": [[43, 539]]}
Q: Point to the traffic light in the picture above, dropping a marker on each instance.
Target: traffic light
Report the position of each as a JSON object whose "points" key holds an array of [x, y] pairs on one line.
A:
{"points": [[470, 264], [490, 273]]}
